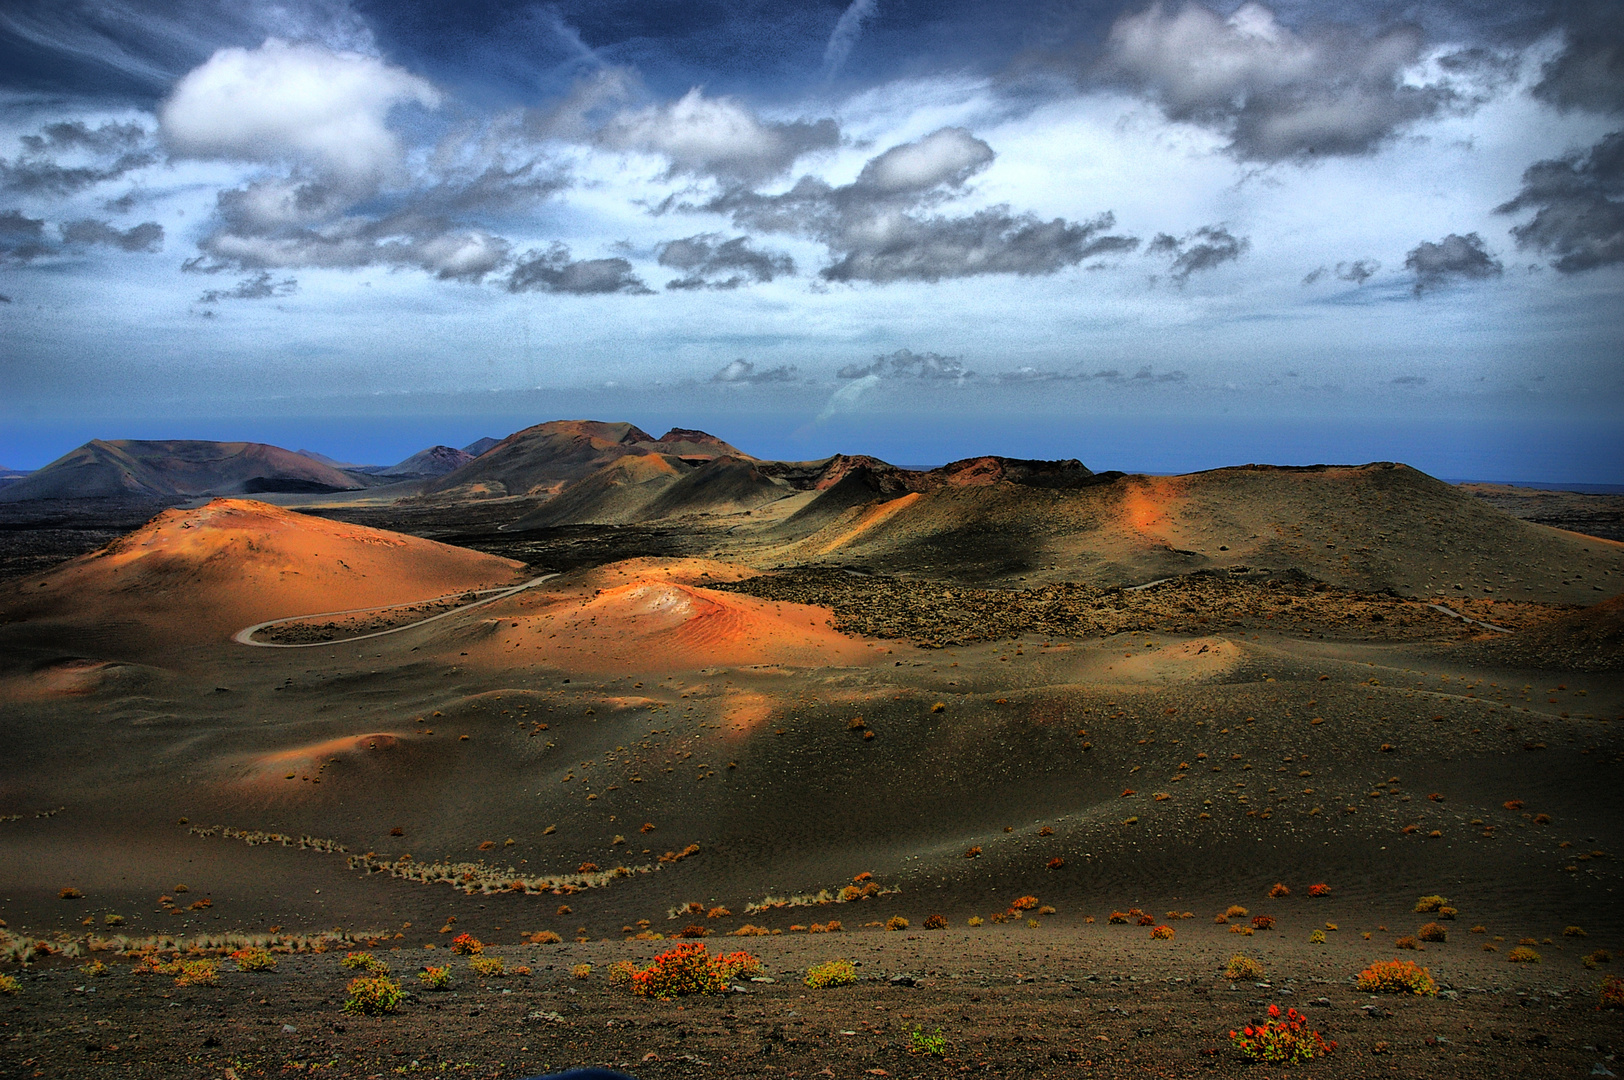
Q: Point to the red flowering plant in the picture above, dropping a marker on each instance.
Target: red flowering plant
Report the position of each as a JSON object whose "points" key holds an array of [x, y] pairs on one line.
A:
{"points": [[1283, 1037], [690, 969]]}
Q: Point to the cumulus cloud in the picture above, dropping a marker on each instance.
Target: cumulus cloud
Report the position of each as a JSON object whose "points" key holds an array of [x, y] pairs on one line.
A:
{"points": [[278, 224], [709, 262], [1454, 257], [906, 364], [719, 137], [1579, 207], [102, 153], [21, 238], [744, 372], [876, 228], [1358, 272], [258, 287], [1204, 249], [147, 236], [1276, 93], [847, 30], [294, 102], [552, 270]]}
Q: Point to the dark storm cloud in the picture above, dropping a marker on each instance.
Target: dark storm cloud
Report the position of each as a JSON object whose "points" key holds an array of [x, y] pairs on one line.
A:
{"points": [[1276, 92], [21, 238], [906, 364], [1589, 71], [876, 228], [258, 287], [554, 271], [1579, 207], [1454, 257], [147, 236], [743, 372], [1358, 272], [1206, 248], [709, 262]]}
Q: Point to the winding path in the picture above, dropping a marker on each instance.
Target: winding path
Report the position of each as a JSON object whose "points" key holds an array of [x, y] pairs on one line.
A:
{"points": [[245, 636]]}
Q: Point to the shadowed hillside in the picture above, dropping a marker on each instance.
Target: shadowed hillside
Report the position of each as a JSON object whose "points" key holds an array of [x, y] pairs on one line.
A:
{"points": [[175, 469]]}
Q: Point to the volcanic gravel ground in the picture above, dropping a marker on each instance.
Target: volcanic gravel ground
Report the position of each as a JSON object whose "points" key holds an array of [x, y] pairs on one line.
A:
{"points": [[1089, 1001], [934, 615]]}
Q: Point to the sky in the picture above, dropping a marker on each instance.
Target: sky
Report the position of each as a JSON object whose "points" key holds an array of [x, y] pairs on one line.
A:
{"points": [[1156, 237]]}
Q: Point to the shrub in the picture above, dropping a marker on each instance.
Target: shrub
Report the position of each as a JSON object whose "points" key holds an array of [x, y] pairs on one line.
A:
{"points": [[1478, 930], [581, 971], [1262, 922], [833, 926], [1432, 932], [8, 985], [1429, 904], [1162, 933], [1283, 1037], [1522, 954], [850, 893], [1045, 910], [435, 978], [1235, 911], [832, 973], [896, 922], [973, 853], [1407, 943], [545, 937], [197, 973], [490, 967], [750, 930], [372, 995], [1146, 920], [1597, 958], [690, 969], [621, 972], [1238, 929], [1279, 891], [1056, 863], [1317, 937], [693, 930], [929, 1045], [1023, 903], [718, 913], [1397, 977], [1319, 890], [361, 961], [95, 969], [1612, 992], [1574, 931], [113, 920], [467, 945], [252, 959], [70, 893], [1117, 918], [935, 922], [976, 920], [1243, 967]]}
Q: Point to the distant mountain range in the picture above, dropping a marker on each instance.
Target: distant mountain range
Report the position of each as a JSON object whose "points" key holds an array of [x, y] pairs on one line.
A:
{"points": [[174, 470]]}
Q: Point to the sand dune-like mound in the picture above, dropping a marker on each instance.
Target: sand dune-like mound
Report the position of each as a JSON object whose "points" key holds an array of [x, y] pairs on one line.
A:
{"points": [[1370, 527], [199, 575], [170, 470], [73, 677], [542, 460], [351, 758], [655, 624]]}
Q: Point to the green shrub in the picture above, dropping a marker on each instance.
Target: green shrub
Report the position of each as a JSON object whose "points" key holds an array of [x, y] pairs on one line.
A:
{"points": [[929, 1045], [832, 973], [490, 967], [435, 978], [8, 985], [372, 995], [197, 973]]}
